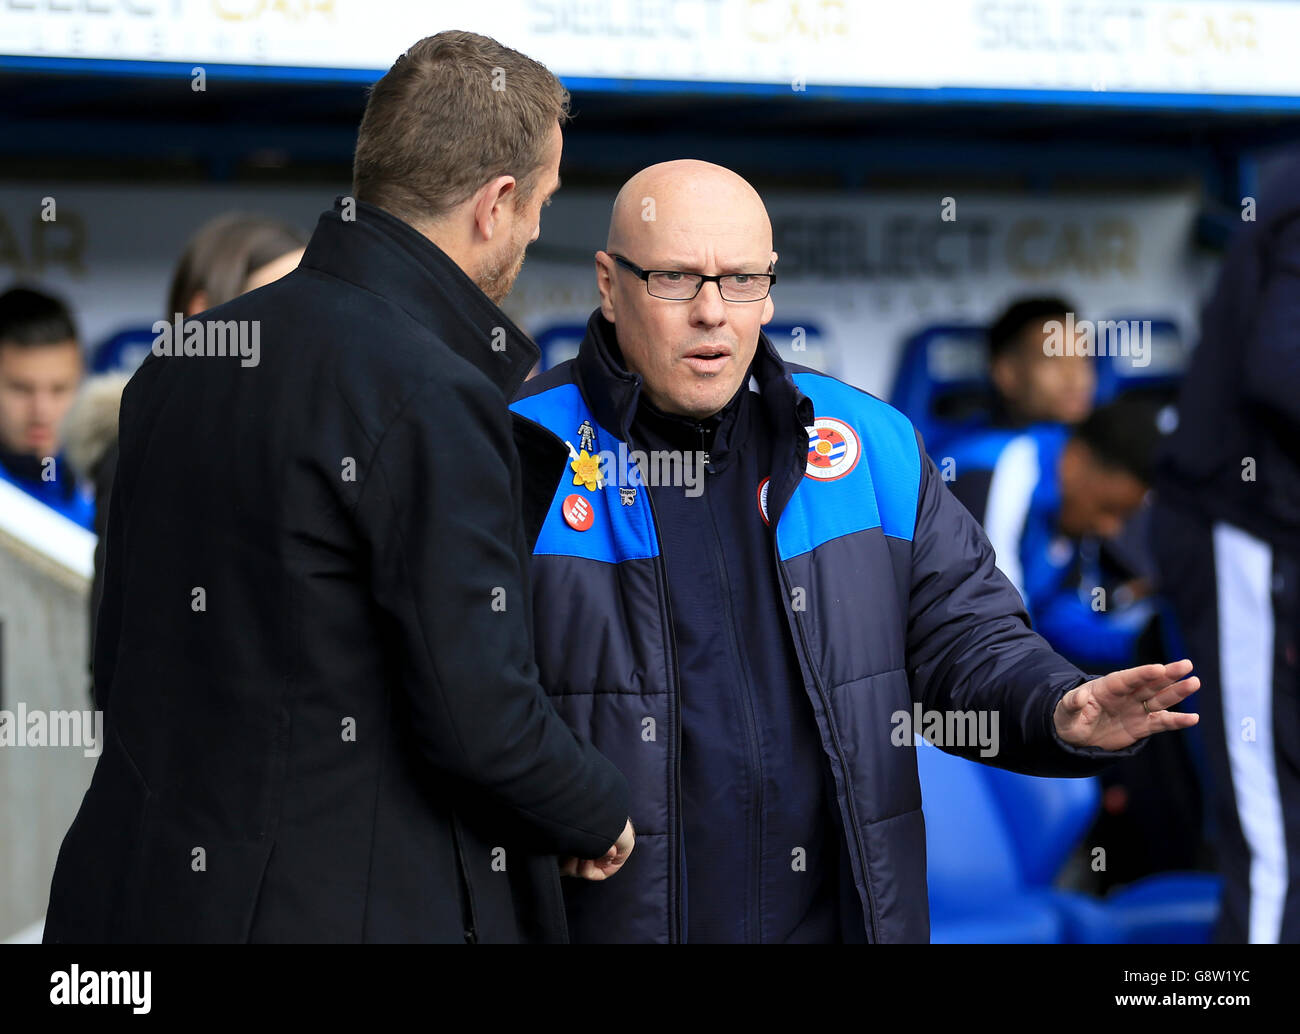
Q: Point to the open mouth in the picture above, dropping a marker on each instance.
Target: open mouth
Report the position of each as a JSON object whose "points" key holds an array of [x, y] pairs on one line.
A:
{"points": [[707, 360]]}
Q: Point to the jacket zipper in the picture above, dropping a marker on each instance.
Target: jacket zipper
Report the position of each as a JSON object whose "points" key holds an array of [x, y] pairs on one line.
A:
{"points": [[751, 737], [676, 935], [802, 642], [467, 902]]}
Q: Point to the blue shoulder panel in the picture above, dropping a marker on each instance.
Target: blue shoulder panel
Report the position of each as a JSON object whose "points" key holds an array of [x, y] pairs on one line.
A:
{"points": [[618, 532], [871, 477]]}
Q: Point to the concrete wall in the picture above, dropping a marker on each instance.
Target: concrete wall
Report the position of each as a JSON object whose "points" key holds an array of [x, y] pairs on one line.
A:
{"points": [[45, 567]]}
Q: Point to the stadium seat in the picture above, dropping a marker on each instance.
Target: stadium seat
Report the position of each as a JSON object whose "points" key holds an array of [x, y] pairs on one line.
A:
{"points": [[996, 841], [803, 344], [123, 351], [1119, 374], [942, 384], [559, 342], [978, 892]]}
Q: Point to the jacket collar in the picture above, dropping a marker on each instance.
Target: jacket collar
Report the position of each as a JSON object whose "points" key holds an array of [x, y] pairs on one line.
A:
{"points": [[719, 436], [387, 256], [613, 392]]}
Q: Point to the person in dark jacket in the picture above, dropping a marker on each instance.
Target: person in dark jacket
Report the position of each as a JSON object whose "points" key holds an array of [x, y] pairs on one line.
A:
{"points": [[752, 582], [1227, 535], [322, 708]]}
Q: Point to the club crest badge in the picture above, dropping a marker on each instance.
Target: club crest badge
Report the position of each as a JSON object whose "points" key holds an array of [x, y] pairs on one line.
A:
{"points": [[833, 449]]}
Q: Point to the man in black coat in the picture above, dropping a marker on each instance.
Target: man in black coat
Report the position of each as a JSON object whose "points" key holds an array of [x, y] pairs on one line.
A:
{"points": [[323, 719]]}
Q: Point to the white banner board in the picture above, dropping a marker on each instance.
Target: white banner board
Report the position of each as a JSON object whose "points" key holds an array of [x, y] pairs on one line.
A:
{"points": [[1225, 47]]}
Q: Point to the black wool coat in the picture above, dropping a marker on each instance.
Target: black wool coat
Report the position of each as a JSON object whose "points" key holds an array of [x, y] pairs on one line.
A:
{"points": [[322, 714]]}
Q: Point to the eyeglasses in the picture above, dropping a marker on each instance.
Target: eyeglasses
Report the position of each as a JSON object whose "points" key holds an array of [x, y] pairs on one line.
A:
{"points": [[676, 286]]}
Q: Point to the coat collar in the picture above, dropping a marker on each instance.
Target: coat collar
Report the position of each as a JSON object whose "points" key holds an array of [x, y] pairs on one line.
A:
{"points": [[390, 258], [720, 436]]}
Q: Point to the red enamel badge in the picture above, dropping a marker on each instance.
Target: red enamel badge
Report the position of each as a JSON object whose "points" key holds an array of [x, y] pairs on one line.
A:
{"points": [[578, 513]]}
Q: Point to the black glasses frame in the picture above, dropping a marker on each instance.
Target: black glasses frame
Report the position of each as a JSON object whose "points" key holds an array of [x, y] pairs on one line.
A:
{"points": [[645, 274]]}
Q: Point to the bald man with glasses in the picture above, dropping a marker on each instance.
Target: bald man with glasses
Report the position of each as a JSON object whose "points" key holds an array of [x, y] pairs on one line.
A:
{"points": [[744, 653]]}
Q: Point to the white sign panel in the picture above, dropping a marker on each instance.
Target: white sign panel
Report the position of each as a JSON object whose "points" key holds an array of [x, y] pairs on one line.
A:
{"points": [[1164, 46], [857, 272]]}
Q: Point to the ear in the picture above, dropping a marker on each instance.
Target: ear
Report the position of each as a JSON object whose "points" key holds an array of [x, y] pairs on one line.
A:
{"points": [[489, 202], [769, 306], [1003, 375], [1073, 463], [605, 284]]}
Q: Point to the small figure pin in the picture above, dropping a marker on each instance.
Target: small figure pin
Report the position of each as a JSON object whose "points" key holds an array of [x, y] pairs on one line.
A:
{"points": [[586, 436]]}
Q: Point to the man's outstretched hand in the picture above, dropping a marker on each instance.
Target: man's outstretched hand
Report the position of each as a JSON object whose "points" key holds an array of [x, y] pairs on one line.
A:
{"points": [[1109, 712], [606, 865]]}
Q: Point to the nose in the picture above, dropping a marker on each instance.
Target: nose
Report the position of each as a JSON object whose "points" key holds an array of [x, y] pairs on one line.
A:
{"points": [[708, 309], [45, 408]]}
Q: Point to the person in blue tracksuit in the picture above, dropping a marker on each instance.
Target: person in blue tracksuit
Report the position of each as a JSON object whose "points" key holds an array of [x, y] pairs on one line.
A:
{"points": [[40, 370], [1041, 490], [746, 580]]}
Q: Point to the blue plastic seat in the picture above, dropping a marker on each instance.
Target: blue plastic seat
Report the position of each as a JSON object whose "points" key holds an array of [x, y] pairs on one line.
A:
{"points": [[122, 352], [1163, 368], [977, 888], [996, 841], [942, 383]]}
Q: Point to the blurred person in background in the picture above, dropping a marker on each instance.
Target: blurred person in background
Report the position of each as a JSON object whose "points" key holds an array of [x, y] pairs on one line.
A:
{"points": [[1047, 496], [1227, 523], [1040, 491], [1029, 385], [41, 367], [227, 256]]}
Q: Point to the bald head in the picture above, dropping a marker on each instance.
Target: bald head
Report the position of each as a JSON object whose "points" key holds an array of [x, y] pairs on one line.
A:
{"points": [[686, 205], [686, 217]]}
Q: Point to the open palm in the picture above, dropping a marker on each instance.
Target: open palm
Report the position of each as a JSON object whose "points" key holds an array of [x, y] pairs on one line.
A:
{"points": [[1117, 710]]}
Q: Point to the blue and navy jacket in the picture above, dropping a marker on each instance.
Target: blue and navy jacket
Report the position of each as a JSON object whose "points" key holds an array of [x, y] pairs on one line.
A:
{"points": [[893, 597], [1008, 480], [62, 494]]}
